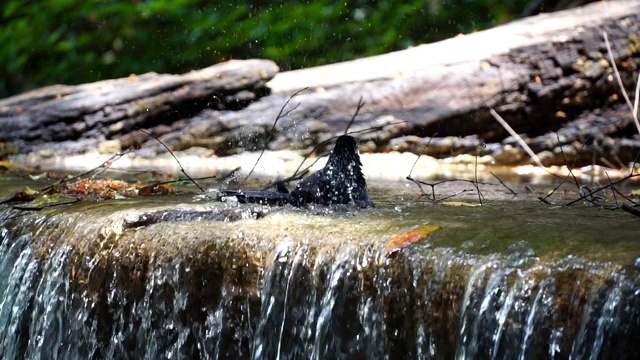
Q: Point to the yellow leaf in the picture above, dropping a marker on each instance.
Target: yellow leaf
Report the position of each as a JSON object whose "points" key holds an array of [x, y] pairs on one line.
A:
{"points": [[7, 164], [459, 203]]}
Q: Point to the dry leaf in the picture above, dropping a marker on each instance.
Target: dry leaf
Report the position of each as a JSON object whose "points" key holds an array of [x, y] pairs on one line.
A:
{"points": [[405, 239], [459, 203]]}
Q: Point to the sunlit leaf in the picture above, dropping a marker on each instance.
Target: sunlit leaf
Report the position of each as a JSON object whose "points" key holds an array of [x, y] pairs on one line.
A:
{"points": [[405, 239], [459, 203], [635, 193], [7, 164]]}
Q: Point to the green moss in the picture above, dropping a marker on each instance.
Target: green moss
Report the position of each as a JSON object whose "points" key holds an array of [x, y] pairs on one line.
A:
{"points": [[634, 45]]}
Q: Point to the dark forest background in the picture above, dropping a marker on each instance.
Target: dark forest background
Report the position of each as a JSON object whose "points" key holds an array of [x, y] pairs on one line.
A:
{"points": [[44, 42]]}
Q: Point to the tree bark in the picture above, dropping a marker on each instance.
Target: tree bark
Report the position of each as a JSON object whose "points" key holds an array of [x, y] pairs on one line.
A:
{"points": [[548, 76], [74, 118]]}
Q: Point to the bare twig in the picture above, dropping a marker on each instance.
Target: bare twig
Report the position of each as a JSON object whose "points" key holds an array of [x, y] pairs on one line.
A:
{"points": [[353, 118], [182, 170], [45, 206], [600, 188], [503, 184], [565, 179], [179, 180], [414, 165], [634, 107], [269, 134], [518, 138], [475, 174], [294, 177], [635, 104], [421, 152], [373, 128], [564, 158], [452, 195], [613, 189], [432, 197]]}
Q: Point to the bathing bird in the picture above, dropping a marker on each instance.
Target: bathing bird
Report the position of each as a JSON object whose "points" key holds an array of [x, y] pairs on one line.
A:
{"points": [[340, 182]]}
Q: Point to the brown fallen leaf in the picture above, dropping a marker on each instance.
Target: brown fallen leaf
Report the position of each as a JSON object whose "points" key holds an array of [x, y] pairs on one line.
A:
{"points": [[22, 196], [162, 189], [407, 238]]}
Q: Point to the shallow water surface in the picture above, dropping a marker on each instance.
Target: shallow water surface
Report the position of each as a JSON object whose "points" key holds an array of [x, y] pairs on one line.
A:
{"points": [[191, 276]]}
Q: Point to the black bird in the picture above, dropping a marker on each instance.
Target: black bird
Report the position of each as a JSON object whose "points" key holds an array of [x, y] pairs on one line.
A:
{"points": [[339, 182]]}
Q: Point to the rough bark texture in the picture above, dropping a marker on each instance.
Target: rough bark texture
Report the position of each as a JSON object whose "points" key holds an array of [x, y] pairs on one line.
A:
{"points": [[74, 118], [549, 76]]}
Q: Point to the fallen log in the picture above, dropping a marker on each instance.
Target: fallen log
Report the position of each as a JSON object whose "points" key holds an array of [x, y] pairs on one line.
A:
{"points": [[548, 76], [75, 118]]}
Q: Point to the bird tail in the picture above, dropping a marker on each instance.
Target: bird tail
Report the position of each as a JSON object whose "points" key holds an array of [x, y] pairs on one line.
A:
{"points": [[259, 197]]}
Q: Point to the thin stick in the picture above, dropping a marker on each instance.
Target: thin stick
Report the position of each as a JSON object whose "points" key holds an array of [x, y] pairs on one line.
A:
{"points": [[634, 107], [613, 189], [452, 195], [615, 70], [45, 206], [179, 180], [421, 152], [432, 197], [293, 177], [377, 127], [574, 160], [518, 138], [600, 188], [635, 104], [280, 115], [565, 179], [414, 165], [174, 157], [475, 174], [503, 184], [358, 107]]}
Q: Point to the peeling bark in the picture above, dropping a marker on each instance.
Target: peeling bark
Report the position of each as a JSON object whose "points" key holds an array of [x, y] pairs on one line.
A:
{"points": [[75, 118]]}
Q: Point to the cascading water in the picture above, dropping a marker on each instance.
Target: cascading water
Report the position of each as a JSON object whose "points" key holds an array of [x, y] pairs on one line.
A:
{"points": [[78, 284]]}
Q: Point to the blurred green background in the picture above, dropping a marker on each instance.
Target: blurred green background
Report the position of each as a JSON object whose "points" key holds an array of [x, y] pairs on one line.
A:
{"points": [[44, 42]]}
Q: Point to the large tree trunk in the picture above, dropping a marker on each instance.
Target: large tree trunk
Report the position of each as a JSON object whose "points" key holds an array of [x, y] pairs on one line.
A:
{"points": [[549, 76]]}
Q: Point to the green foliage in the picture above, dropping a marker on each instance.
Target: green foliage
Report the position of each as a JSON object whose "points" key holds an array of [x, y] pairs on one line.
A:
{"points": [[73, 41]]}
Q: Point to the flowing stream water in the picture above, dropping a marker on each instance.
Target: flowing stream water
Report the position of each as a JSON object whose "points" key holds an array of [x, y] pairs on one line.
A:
{"points": [[512, 279]]}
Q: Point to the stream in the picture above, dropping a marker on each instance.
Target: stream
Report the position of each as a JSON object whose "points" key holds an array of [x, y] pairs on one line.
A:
{"points": [[210, 279]]}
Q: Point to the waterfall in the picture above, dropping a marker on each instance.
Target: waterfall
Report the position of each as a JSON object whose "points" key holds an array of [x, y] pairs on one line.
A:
{"points": [[71, 290]]}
